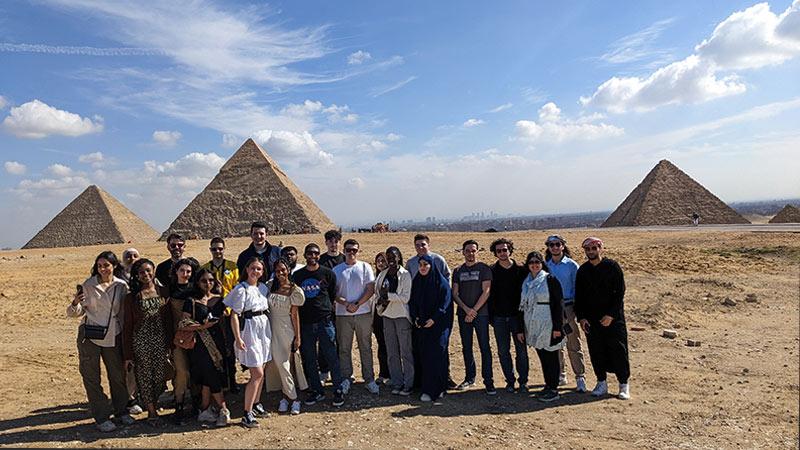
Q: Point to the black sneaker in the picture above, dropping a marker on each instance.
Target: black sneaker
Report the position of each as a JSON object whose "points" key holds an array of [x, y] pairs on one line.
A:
{"points": [[249, 420], [490, 390], [549, 395], [259, 411], [314, 397], [338, 398], [523, 388], [178, 417], [466, 384], [451, 385], [510, 388]]}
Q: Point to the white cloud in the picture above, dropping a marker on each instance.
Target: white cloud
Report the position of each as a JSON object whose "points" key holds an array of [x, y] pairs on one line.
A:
{"points": [[306, 108], [358, 58], [231, 141], [553, 127], [386, 89], [639, 46], [192, 171], [83, 51], [92, 158], [748, 39], [59, 170], [292, 145], [51, 187], [166, 138], [338, 114], [533, 95], [3, 102], [372, 146], [356, 182], [502, 107], [472, 123], [392, 137], [15, 168], [36, 120]]}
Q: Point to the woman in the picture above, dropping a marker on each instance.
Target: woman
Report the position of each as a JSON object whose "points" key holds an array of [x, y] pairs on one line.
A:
{"points": [[180, 289], [99, 302], [129, 256], [393, 290], [202, 314], [285, 299], [377, 327], [542, 308], [429, 307], [147, 335], [249, 300]]}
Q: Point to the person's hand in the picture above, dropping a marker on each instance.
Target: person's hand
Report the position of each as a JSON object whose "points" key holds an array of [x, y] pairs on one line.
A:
{"points": [[585, 325], [472, 314], [383, 293], [428, 324], [296, 343], [606, 321], [521, 338], [128, 365], [79, 297], [352, 308], [556, 334], [240, 343]]}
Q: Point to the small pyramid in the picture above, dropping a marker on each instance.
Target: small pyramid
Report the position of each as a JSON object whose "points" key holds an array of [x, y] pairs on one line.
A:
{"points": [[667, 196], [94, 217], [249, 187], [789, 214]]}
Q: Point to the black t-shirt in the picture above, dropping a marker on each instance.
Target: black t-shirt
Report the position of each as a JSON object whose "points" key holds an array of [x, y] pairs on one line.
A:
{"points": [[319, 287], [329, 261], [506, 289], [162, 272], [600, 291], [200, 314]]}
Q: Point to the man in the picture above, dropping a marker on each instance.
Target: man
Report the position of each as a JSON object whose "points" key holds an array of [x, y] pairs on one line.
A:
{"points": [[472, 283], [333, 257], [289, 253], [564, 268], [176, 246], [355, 284], [316, 325], [504, 298], [599, 293], [260, 249]]}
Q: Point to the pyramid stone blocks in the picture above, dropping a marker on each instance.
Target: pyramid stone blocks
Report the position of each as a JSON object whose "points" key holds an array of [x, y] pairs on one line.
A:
{"points": [[789, 214]]}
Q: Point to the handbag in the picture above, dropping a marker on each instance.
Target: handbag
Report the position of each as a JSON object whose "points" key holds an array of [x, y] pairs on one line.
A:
{"points": [[185, 339], [99, 332]]}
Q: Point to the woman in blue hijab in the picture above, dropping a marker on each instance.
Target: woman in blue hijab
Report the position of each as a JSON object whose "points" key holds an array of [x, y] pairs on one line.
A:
{"points": [[429, 307]]}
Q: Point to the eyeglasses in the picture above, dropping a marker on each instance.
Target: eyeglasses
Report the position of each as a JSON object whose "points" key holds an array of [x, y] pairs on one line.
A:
{"points": [[217, 249], [176, 245], [535, 261], [351, 250], [312, 252], [501, 250], [554, 244]]}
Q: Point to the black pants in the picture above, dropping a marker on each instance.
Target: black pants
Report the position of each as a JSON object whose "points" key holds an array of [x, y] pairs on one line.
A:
{"points": [[551, 368], [383, 357], [608, 350], [228, 355]]}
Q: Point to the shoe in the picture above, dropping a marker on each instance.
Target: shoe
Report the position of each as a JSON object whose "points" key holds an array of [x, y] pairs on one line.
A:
{"points": [[223, 418], [127, 420], [562, 380], [338, 398], [382, 380], [295, 408], [581, 384], [346, 386], [405, 392], [396, 391], [208, 415], [523, 388], [178, 416], [451, 384], [490, 390], [249, 420], [314, 397], [156, 422], [259, 411], [283, 406], [549, 395], [324, 377], [624, 392], [465, 385], [107, 426], [425, 398], [601, 389], [510, 388], [373, 388], [135, 409]]}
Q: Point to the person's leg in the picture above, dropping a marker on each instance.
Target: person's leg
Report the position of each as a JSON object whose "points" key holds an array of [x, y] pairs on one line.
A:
{"points": [[253, 389], [180, 383], [550, 368], [89, 367], [345, 329], [383, 357], [112, 359], [465, 330], [229, 355], [597, 352], [574, 343], [205, 397], [502, 336], [482, 330], [617, 345], [404, 339], [308, 351], [363, 328], [520, 353], [390, 332], [327, 338]]}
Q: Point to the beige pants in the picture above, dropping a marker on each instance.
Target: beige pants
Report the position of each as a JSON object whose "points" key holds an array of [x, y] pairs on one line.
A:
{"points": [[573, 347], [180, 383], [361, 326]]}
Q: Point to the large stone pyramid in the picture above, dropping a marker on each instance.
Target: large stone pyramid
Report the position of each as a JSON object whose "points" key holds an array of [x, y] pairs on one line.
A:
{"points": [[249, 187], [94, 217], [789, 214], [667, 196]]}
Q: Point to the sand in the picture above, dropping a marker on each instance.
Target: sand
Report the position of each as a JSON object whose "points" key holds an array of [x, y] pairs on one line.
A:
{"points": [[738, 389]]}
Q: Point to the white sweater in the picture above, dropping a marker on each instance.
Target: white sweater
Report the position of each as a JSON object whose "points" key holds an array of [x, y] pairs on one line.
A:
{"points": [[398, 301]]}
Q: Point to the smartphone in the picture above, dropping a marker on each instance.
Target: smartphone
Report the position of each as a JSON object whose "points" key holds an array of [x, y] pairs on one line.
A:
{"points": [[567, 329], [79, 288]]}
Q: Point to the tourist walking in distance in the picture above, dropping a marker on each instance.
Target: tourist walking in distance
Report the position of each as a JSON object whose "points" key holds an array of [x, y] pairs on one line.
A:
{"points": [[377, 325], [259, 248], [599, 307], [562, 266], [542, 307], [98, 301], [175, 245], [181, 288], [393, 286]]}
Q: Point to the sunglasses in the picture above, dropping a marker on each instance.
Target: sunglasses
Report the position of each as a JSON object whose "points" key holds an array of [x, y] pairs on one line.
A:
{"points": [[312, 252], [351, 250], [501, 250], [217, 249], [554, 244], [176, 245]]}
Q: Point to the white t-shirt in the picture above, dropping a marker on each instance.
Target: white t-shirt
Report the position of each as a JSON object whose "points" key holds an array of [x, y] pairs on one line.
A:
{"points": [[351, 282]]}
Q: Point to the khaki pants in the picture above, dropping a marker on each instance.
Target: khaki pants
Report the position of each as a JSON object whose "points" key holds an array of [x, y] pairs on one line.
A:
{"points": [[180, 383], [89, 356], [573, 347], [361, 326]]}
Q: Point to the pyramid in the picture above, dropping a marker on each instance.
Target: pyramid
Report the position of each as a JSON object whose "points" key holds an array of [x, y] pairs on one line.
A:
{"points": [[94, 217], [249, 187], [789, 214], [667, 196]]}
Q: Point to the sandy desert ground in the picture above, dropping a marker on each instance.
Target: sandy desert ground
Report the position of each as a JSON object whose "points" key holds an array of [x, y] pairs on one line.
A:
{"points": [[739, 389]]}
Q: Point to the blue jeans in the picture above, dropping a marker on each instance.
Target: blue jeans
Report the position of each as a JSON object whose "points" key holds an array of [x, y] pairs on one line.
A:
{"points": [[505, 330], [325, 334], [481, 327]]}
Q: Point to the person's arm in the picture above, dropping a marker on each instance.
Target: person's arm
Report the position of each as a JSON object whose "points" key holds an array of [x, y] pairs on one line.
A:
{"points": [[580, 299], [456, 298], [237, 338], [332, 294], [486, 289], [445, 299], [295, 314], [127, 328], [367, 295], [617, 291], [403, 293], [75, 308], [556, 305]]}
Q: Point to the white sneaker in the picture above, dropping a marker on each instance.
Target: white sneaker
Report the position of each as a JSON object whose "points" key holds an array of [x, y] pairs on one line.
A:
{"points": [[624, 391], [295, 408], [425, 398], [601, 389], [207, 415], [581, 384], [283, 406], [562, 380], [223, 418], [345, 386], [373, 388], [381, 380], [324, 376], [107, 426], [135, 409]]}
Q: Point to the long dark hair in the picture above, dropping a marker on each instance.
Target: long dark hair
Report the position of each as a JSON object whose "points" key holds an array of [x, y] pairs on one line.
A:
{"points": [[535, 255], [109, 256], [135, 285], [243, 274], [564, 249], [196, 291], [275, 285], [173, 272]]}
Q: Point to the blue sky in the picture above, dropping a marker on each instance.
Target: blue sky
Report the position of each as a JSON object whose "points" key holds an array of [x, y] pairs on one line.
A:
{"points": [[383, 111]]}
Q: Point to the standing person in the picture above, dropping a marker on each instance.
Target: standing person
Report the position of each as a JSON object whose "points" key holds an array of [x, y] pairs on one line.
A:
{"points": [[98, 302], [227, 273], [176, 245], [249, 300], [332, 257], [285, 298], [541, 304], [129, 256], [181, 288], [355, 284], [260, 248], [393, 286], [507, 277], [202, 313], [316, 325], [600, 309], [563, 267], [147, 335], [430, 309], [289, 253], [377, 325], [472, 283]]}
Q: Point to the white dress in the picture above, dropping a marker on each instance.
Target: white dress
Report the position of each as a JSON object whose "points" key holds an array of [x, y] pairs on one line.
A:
{"points": [[535, 305], [280, 320], [257, 334]]}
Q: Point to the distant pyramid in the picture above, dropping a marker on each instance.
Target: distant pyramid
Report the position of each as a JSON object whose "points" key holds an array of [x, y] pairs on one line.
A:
{"points": [[94, 217], [667, 196], [249, 187], [789, 214]]}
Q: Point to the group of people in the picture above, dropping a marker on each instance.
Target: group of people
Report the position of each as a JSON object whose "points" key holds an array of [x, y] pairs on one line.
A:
{"points": [[292, 325]]}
